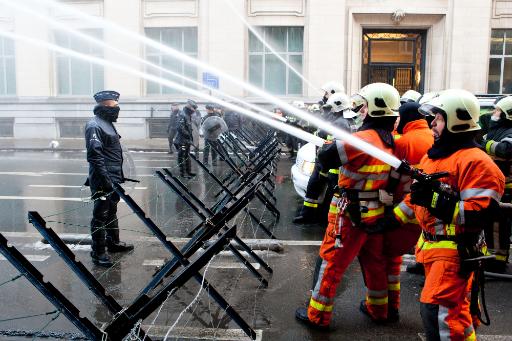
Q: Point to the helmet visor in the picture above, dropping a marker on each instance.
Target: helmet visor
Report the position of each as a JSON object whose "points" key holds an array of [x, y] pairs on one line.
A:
{"points": [[357, 102], [430, 110]]}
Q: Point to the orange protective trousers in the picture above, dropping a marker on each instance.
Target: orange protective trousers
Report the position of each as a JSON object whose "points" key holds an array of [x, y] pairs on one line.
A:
{"points": [[355, 241]]}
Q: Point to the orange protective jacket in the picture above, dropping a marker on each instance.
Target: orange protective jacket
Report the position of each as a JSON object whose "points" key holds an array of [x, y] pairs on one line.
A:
{"points": [[478, 181], [362, 172], [417, 138], [413, 144]]}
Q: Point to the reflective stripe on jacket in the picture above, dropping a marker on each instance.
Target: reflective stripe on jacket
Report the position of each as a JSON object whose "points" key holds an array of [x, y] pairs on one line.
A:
{"points": [[363, 172]]}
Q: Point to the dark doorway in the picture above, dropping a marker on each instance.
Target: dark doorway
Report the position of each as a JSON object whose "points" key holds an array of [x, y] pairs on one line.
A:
{"points": [[396, 57]]}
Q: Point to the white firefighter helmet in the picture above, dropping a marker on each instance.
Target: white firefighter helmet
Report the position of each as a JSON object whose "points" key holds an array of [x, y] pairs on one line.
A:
{"points": [[460, 107], [382, 99], [427, 96], [339, 102], [332, 88], [410, 96], [299, 105], [505, 105]]}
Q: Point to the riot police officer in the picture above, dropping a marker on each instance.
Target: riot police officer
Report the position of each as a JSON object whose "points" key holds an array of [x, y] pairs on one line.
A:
{"points": [[171, 129], [184, 138], [210, 137], [105, 158]]}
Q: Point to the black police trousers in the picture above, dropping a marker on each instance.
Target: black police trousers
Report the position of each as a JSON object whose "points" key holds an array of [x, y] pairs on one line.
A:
{"points": [[184, 161], [207, 148], [104, 224]]}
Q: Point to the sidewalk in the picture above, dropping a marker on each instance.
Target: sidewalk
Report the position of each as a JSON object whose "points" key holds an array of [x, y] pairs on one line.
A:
{"points": [[12, 144]]}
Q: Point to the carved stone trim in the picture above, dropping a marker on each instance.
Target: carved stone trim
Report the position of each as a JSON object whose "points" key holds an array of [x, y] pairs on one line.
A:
{"points": [[94, 8], [502, 9], [170, 8], [272, 7]]}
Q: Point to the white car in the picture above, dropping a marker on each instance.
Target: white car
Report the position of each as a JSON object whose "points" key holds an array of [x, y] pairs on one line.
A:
{"points": [[303, 168]]}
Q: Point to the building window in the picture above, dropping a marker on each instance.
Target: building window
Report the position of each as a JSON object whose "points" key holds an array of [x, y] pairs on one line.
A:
{"points": [[7, 68], [75, 76], [266, 70], [500, 63], [183, 39]]}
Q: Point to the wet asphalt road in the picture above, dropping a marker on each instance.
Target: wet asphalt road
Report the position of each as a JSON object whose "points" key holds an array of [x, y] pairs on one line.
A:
{"points": [[50, 183]]}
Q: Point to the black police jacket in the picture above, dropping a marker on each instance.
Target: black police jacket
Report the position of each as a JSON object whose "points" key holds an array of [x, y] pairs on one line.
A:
{"points": [[184, 128], [233, 120], [173, 122], [104, 154]]}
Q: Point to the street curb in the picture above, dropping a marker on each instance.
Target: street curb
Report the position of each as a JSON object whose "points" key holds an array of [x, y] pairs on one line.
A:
{"points": [[35, 149]]}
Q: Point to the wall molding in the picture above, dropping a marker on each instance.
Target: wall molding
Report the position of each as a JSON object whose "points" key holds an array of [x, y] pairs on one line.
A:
{"points": [[170, 8], [271, 7], [94, 8], [501, 9]]}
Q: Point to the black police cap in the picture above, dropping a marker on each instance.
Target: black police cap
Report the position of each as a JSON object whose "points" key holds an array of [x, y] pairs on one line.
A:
{"points": [[192, 103], [106, 95]]}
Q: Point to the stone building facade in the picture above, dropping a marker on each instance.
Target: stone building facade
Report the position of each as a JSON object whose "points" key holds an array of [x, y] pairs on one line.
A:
{"points": [[425, 45]]}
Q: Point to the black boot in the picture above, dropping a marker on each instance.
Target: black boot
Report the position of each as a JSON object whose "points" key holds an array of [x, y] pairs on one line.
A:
{"points": [[113, 243], [101, 259], [393, 315], [364, 309], [301, 314], [307, 215], [416, 268], [188, 165], [98, 254]]}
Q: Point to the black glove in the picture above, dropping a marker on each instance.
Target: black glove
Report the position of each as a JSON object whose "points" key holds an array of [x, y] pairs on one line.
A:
{"points": [[384, 224], [106, 186], [432, 195]]}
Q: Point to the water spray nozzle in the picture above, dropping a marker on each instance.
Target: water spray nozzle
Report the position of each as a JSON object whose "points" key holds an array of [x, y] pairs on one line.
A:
{"points": [[418, 174]]}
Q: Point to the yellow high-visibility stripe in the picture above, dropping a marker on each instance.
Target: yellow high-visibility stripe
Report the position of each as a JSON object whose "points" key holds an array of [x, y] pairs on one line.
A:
{"points": [[394, 286], [501, 257], [488, 146], [471, 337], [320, 306], [333, 209], [455, 214], [397, 136], [373, 213], [444, 244], [309, 204], [509, 185], [398, 212], [374, 168], [368, 186], [377, 301], [334, 171]]}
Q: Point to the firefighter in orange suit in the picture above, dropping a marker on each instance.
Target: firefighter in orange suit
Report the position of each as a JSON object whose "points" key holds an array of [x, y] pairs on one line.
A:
{"points": [[416, 138], [355, 208], [451, 212]]}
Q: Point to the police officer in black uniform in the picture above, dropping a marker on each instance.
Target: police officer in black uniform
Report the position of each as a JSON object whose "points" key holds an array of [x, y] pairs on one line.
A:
{"points": [[105, 158], [171, 129], [208, 140], [184, 138]]}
